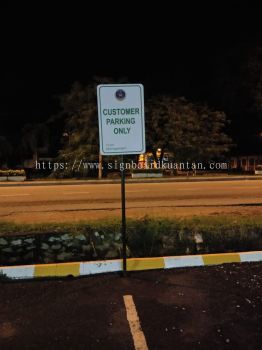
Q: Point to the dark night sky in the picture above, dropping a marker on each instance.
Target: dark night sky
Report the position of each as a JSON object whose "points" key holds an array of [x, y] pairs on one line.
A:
{"points": [[178, 49]]}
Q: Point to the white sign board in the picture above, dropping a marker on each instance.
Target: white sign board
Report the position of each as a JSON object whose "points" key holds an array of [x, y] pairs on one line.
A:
{"points": [[121, 119]]}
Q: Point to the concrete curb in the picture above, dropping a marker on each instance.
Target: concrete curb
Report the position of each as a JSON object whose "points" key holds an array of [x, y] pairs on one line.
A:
{"points": [[86, 268]]}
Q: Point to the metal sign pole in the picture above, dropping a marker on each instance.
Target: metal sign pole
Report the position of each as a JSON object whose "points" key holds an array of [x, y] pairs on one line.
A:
{"points": [[115, 101], [123, 199]]}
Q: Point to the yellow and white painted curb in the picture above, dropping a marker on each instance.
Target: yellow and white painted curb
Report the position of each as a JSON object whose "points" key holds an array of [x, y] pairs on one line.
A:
{"points": [[134, 264]]}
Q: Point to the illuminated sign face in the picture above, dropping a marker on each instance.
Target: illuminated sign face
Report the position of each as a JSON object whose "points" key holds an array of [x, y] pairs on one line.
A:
{"points": [[121, 119]]}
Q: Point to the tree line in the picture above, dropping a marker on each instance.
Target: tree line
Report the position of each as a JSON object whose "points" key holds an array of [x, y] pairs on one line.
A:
{"points": [[192, 132]]}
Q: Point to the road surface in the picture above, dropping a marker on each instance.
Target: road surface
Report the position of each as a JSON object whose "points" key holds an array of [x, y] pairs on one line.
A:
{"points": [[63, 203]]}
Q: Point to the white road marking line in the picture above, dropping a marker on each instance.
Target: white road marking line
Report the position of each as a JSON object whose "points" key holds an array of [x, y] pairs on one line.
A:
{"points": [[188, 189], [134, 324], [137, 191], [14, 195], [246, 188], [69, 193]]}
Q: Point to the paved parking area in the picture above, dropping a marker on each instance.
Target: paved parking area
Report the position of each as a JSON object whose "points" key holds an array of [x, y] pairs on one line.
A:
{"points": [[218, 307]]}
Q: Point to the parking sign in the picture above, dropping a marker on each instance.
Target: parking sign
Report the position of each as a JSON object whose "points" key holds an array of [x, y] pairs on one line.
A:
{"points": [[121, 119]]}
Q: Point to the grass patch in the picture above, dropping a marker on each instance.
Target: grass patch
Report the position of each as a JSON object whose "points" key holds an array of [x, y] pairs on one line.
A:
{"points": [[12, 229], [146, 237], [214, 224]]}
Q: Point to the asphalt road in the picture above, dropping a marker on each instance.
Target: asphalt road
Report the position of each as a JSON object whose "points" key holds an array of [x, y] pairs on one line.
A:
{"points": [[96, 201]]}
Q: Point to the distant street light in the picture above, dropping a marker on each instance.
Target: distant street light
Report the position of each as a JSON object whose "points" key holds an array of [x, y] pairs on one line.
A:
{"points": [[158, 152]]}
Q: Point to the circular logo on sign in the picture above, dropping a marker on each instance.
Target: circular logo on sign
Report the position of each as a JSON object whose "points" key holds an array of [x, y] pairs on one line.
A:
{"points": [[120, 94]]}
